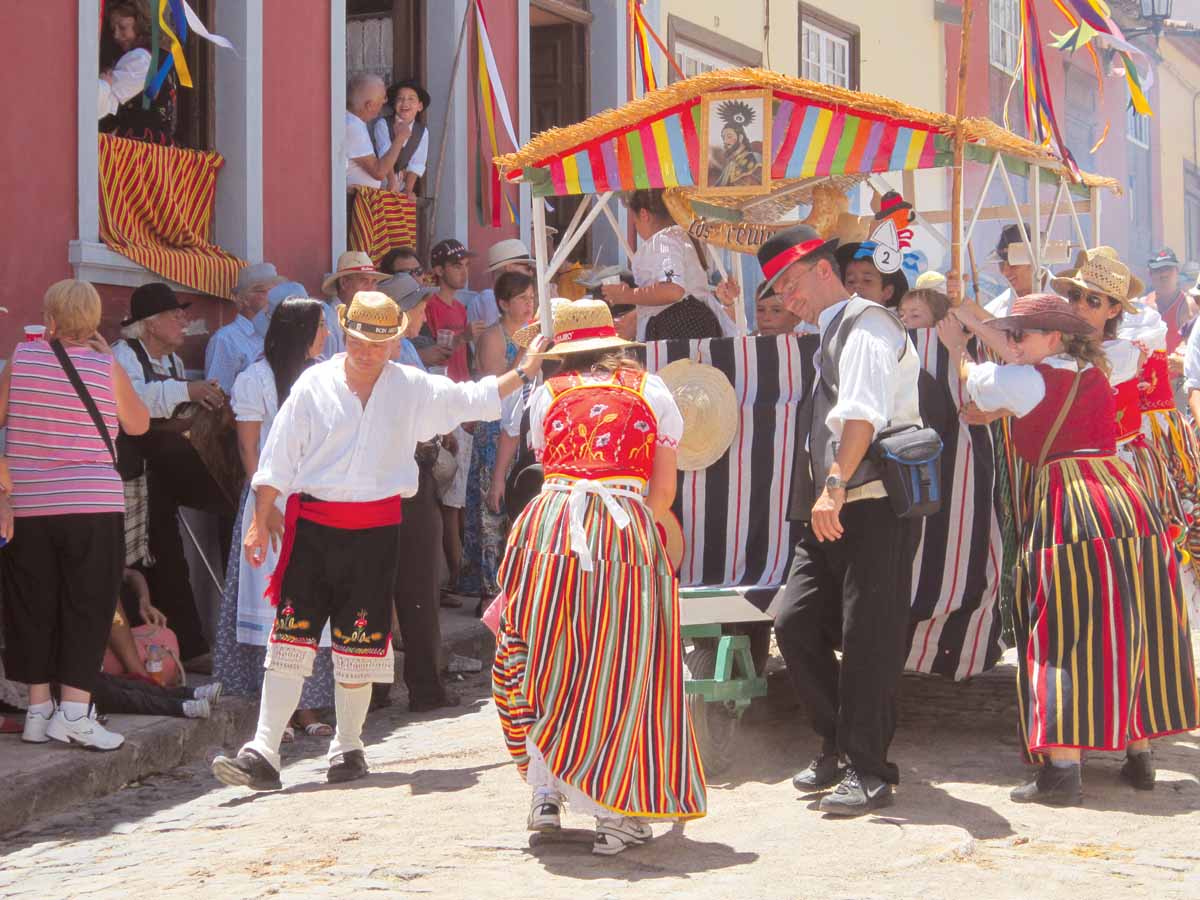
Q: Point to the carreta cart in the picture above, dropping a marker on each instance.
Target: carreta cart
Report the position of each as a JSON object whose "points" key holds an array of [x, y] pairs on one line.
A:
{"points": [[738, 151]]}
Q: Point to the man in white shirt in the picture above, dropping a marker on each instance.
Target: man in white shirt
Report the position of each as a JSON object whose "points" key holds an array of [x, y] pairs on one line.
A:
{"points": [[341, 450], [175, 475], [235, 346], [355, 272], [1019, 275], [853, 559], [365, 96]]}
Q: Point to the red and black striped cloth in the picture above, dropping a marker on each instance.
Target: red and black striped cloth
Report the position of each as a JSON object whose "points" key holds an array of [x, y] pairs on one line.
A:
{"points": [[734, 513]]}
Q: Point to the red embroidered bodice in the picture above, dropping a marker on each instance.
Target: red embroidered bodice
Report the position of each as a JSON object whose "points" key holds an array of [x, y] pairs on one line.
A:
{"points": [[1155, 390], [1089, 425], [1127, 398], [599, 429]]}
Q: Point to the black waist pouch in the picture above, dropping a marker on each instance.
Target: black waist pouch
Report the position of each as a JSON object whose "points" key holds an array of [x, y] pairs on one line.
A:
{"points": [[909, 461]]}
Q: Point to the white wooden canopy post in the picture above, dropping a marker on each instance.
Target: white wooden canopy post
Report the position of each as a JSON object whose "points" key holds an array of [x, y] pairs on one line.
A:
{"points": [[616, 226], [539, 261], [576, 232], [1095, 217], [1016, 206], [987, 183]]}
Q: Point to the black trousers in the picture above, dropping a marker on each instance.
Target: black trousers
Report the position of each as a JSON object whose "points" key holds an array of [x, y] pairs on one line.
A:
{"points": [[417, 593], [61, 575], [176, 479], [853, 593], [132, 696]]}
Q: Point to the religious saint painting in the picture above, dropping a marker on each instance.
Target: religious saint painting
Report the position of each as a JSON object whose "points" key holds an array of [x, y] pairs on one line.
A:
{"points": [[734, 126]]}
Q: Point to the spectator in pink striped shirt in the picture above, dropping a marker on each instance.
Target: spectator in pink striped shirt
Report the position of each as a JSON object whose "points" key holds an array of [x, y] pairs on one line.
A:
{"points": [[63, 513]]}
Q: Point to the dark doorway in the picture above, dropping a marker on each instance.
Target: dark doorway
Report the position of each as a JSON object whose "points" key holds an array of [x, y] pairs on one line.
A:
{"points": [[558, 85]]}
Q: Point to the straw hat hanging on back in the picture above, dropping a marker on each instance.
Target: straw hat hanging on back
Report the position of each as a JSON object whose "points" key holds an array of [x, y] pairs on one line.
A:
{"points": [[709, 407], [580, 326], [1100, 269]]}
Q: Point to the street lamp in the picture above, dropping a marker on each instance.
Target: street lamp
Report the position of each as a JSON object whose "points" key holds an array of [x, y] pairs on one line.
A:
{"points": [[1154, 13]]}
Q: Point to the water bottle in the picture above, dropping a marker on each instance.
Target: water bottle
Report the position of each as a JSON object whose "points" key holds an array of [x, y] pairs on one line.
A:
{"points": [[154, 663]]}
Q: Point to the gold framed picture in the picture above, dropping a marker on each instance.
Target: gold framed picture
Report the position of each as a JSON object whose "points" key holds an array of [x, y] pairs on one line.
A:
{"points": [[735, 142]]}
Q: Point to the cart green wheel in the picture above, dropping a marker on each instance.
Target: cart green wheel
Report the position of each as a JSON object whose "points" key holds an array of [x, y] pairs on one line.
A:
{"points": [[715, 724]]}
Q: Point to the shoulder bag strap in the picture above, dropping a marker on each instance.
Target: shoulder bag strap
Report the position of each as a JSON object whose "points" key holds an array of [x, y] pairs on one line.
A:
{"points": [[86, 398], [1058, 422]]}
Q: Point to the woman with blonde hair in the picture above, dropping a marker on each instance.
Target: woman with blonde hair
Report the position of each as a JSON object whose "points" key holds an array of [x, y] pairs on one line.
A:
{"points": [[63, 513]]}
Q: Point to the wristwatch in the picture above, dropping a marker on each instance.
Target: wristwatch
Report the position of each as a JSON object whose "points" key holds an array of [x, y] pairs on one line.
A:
{"points": [[833, 483], [524, 376]]}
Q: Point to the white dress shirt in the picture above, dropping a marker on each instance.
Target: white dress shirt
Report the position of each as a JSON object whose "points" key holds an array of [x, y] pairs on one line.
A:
{"points": [[875, 383], [420, 157], [231, 351], [128, 80], [1002, 305], [1145, 327], [358, 144], [1018, 389], [324, 443], [160, 397]]}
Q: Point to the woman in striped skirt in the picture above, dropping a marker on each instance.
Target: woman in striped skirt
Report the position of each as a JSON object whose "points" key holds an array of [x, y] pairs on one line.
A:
{"points": [[588, 676], [1101, 666]]}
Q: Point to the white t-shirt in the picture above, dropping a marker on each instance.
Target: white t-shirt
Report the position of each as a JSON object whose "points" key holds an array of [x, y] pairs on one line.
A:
{"points": [[358, 145], [670, 256], [417, 162]]}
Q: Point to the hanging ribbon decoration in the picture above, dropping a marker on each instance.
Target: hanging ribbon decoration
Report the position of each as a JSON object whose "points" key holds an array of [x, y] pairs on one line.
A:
{"points": [[184, 18], [491, 92], [643, 34], [1091, 25], [1040, 118]]}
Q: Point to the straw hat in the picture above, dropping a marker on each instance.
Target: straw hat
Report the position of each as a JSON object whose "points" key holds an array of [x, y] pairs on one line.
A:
{"points": [[1042, 312], [709, 407], [352, 262], [512, 250], [372, 316], [1100, 269], [580, 326], [672, 535], [445, 467]]}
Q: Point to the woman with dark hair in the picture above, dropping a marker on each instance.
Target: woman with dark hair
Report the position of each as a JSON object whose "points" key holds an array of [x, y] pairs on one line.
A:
{"points": [[588, 674], [295, 338], [483, 530], [1105, 658], [119, 102]]}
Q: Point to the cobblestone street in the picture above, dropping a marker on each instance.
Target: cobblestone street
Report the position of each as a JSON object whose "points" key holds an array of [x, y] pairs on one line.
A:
{"points": [[443, 815]]}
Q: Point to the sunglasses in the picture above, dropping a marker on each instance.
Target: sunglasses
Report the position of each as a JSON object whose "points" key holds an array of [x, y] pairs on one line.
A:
{"points": [[1095, 301], [1018, 335]]}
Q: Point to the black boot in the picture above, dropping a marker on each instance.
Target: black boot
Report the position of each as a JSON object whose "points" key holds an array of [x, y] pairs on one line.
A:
{"points": [[1139, 770], [1054, 786]]}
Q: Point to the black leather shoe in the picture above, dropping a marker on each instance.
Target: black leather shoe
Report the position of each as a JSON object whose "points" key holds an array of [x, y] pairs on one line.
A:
{"points": [[247, 769], [1139, 770], [427, 704], [823, 772], [1054, 786], [856, 794], [348, 766]]}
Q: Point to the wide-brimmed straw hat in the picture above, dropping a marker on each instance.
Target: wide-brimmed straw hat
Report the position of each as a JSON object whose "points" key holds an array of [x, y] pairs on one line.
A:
{"points": [[581, 326], [672, 539], [1042, 312], [352, 262], [372, 316], [1100, 269], [710, 412]]}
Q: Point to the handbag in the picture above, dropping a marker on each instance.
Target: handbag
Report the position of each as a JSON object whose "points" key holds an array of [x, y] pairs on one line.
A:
{"points": [[85, 398], [156, 646], [909, 462]]}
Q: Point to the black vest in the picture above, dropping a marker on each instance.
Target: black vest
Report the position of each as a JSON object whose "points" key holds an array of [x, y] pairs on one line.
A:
{"points": [[134, 450], [816, 448], [410, 146]]}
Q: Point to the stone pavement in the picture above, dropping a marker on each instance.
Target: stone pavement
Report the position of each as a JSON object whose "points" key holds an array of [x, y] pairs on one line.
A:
{"points": [[443, 815]]}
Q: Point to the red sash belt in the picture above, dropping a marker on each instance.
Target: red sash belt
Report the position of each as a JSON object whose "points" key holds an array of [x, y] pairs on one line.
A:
{"points": [[347, 516]]}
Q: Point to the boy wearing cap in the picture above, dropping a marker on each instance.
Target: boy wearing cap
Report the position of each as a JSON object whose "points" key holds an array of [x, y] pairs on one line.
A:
{"points": [[235, 346], [342, 451]]}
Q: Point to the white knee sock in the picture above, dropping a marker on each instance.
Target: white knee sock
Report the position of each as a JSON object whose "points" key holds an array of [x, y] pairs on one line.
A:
{"points": [[351, 706], [280, 697]]}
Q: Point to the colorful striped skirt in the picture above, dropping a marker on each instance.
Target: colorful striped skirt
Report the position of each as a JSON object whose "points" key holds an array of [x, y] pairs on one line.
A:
{"points": [[1102, 630], [1171, 434], [589, 665]]}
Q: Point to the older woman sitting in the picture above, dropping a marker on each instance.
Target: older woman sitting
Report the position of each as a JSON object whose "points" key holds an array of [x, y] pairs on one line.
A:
{"points": [[63, 513]]}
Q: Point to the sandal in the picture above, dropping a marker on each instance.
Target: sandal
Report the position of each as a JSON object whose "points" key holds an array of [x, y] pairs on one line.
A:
{"points": [[289, 734], [318, 729]]}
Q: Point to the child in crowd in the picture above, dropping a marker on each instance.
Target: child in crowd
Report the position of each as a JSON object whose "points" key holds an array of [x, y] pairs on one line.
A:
{"points": [[927, 303], [772, 316]]}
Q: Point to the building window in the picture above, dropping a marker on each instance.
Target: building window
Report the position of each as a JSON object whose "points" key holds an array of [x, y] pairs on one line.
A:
{"points": [[693, 60], [698, 50], [828, 49], [1004, 34], [1137, 128]]}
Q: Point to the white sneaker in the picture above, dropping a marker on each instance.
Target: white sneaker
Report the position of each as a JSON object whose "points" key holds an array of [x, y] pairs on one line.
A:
{"points": [[196, 709], [85, 731], [35, 728], [545, 812], [615, 835], [210, 692]]}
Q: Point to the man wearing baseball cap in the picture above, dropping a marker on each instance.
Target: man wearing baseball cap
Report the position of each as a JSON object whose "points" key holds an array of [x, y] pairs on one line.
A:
{"points": [[1171, 301], [1018, 274]]}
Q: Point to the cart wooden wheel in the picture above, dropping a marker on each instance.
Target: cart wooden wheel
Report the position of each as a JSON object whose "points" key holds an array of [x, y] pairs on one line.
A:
{"points": [[714, 723]]}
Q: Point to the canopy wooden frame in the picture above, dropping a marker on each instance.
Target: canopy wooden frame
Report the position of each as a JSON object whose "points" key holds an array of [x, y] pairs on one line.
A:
{"points": [[569, 161]]}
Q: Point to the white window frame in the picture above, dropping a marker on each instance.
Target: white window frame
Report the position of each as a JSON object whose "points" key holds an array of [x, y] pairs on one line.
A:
{"points": [[705, 60], [238, 219], [1004, 34], [824, 65], [1137, 128]]}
